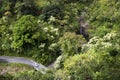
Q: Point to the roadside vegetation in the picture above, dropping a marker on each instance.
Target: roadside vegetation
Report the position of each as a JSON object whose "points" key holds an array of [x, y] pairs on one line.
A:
{"points": [[50, 31]]}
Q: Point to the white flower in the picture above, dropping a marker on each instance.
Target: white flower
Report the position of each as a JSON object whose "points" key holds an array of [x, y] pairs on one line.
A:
{"points": [[52, 18], [52, 46], [42, 45], [93, 40], [109, 36], [38, 21], [10, 38], [56, 29], [58, 62], [45, 29], [57, 33], [106, 44], [51, 28], [7, 34], [4, 32], [52, 37], [4, 18], [3, 45]]}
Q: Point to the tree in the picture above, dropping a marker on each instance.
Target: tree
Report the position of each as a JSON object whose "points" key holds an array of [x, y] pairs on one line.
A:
{"points": [[24, 31]]}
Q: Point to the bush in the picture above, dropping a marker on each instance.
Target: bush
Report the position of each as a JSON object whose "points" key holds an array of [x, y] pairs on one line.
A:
{"points": [[104, 16], [71, 43], [105, 43], [34, 75], [52, 10], [35, 38], [92, 65], [100, 60], [25, 32], [82, 67], [6, 77]]}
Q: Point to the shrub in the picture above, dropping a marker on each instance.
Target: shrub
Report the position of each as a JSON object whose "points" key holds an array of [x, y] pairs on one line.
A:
{"points": [[109, 41], [25, 32], [100, 60], [104, 16], [52, 10], [34, 75], [6, 77], [71, 43], [35, 38], [82, 67], [92, 65]]}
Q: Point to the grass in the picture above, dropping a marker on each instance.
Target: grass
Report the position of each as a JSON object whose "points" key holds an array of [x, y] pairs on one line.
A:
{"points": [[13, 68]]}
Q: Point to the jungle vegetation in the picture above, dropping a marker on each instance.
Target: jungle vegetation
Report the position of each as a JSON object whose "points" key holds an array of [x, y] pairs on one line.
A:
{"points": [[82, 37]]}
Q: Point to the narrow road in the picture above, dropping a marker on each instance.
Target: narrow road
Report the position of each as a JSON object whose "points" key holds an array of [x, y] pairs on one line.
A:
{"points": [[37, 66]]}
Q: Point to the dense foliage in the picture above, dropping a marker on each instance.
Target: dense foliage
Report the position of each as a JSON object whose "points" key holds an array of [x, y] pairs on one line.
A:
{"points": [[54, 31], [100, 60]]}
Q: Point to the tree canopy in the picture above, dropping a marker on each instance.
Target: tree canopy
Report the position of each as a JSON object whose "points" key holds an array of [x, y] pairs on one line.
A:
{"points": [[49, 31]]}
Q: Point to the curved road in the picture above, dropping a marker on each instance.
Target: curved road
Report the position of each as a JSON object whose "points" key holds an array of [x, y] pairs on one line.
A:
{"points": [[37, 66]]}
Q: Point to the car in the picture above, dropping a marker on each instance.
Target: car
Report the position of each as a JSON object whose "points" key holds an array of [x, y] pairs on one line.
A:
{"points": [[36, 64]]}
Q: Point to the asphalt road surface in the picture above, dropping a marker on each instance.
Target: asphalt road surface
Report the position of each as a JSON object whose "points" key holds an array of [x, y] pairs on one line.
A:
{"points": [[37, 66]]}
